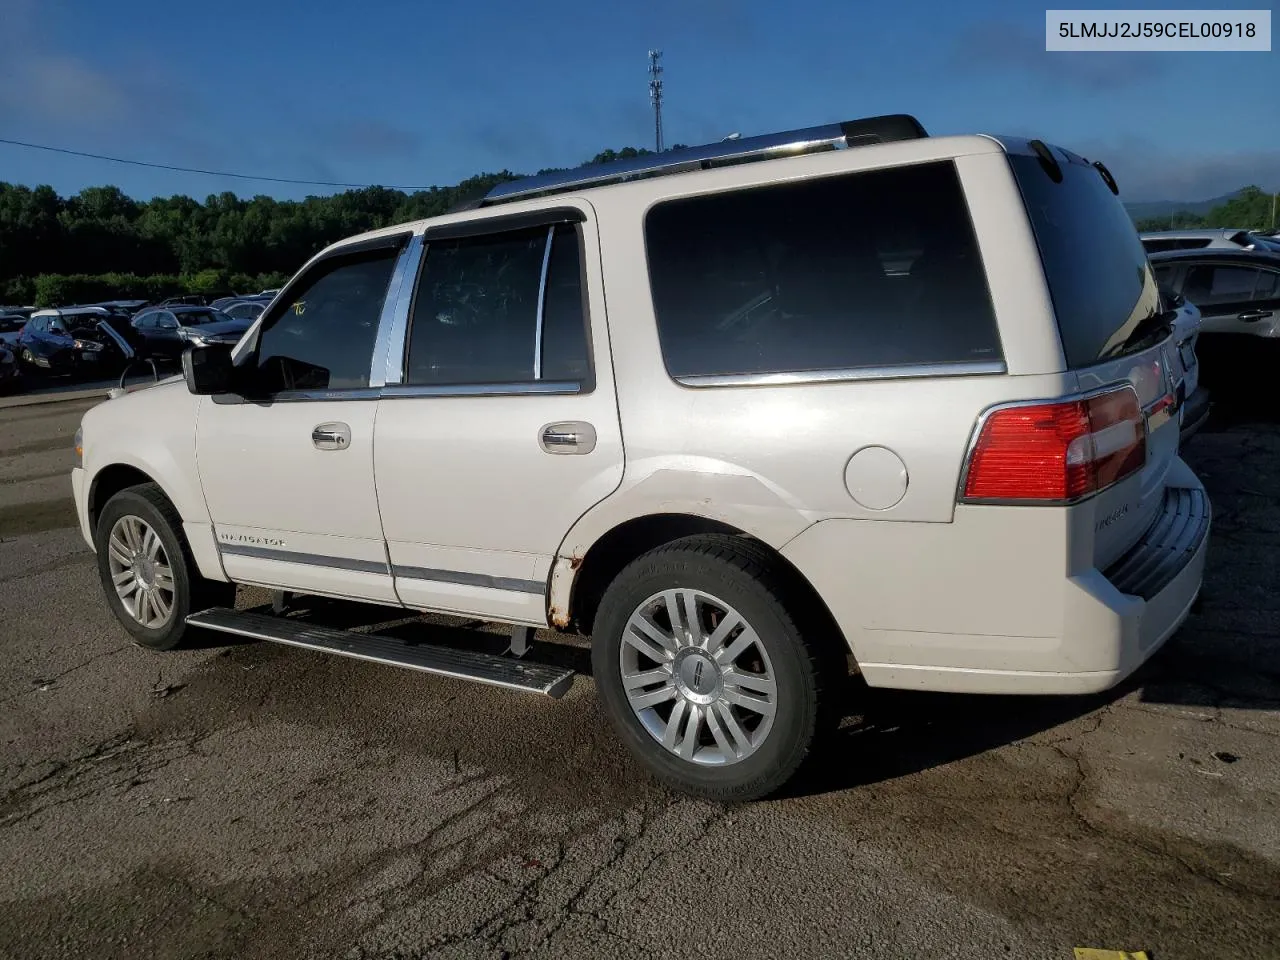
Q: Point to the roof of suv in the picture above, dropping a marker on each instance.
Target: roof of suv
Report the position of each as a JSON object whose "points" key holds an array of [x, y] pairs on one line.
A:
{"points": [[887, 141]]}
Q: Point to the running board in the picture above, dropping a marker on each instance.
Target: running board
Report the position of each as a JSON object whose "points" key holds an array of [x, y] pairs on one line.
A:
{"points": [[443, 661]]}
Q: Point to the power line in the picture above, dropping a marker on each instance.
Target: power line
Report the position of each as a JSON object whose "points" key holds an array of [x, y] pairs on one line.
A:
{"points": [[211, 173]]}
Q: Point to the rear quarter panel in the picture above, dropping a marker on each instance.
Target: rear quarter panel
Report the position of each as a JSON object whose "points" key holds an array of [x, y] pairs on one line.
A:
{"points": [[771, 460]]}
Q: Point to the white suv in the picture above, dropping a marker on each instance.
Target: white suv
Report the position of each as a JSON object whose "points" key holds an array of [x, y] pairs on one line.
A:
{"points": [[737, 412]]}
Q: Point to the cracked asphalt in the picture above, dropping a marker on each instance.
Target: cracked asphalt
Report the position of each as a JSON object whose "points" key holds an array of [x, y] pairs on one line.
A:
{"points": [[254, 801]]}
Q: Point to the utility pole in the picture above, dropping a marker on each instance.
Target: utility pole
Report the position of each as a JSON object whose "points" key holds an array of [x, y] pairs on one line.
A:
{"points": [[655, 96]]}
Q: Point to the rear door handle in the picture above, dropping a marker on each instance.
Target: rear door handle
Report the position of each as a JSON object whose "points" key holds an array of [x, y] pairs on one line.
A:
{"points": [[571, 436], [331, 436], [1251, 315]]}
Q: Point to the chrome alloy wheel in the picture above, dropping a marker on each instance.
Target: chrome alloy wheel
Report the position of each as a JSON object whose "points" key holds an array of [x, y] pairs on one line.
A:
{"points": [[698, 677], [140, 571]]}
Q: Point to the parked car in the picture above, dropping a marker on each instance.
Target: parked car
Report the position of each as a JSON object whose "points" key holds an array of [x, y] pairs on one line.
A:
{"points": [[189, 300], [1237, 291], [123, 307], [10, 372], [164, 332], [937, 433], [11, 325], [1193, 399], [72, 340], [1162, 241]]}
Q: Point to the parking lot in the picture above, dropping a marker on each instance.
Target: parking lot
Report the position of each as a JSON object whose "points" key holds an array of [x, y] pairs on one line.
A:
{"points": [[260, 801]]}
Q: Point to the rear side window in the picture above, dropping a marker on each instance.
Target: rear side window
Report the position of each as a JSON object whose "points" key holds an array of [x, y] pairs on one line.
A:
{"points": [[872, 269], [1096, 267], [1208, 284], [485, 314]]}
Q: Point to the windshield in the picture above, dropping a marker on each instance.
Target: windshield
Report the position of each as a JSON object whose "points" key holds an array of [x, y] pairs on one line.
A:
{"points": [[1099, 278]]}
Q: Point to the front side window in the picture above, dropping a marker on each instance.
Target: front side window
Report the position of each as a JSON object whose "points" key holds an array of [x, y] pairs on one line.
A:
{"points": [[483, 314], [1208, 285], [321, 337], [872, 269]]}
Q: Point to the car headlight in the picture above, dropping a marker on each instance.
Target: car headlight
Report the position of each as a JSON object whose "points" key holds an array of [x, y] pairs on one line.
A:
{"points": [[89, 345], [80, 446]]}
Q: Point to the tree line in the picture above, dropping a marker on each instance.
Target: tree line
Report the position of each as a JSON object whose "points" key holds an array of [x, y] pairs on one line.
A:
{"points": [[1250, 208], [101, 244]]}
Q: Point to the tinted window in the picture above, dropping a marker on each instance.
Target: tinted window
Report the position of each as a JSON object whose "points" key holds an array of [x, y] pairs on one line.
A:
{"points": [[863, 270], [1268, 285], [1096, 267], [475, 316], [1158, 246], [245, 311], [193, 318], [1206, 284], [321, 337]]}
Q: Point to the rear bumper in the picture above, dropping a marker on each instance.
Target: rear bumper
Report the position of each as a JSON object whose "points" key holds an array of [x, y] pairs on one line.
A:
{"points": [[989, 606]]}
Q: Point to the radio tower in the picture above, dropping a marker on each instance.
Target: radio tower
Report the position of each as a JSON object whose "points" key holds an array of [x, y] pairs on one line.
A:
{"points": [[655, 96]]}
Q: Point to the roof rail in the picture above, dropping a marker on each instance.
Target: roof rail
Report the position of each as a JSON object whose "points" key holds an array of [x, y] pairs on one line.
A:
{"points": [[833, 136]]}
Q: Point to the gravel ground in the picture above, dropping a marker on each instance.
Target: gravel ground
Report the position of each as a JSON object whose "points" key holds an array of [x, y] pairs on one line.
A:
{"points": [[259, 801]]}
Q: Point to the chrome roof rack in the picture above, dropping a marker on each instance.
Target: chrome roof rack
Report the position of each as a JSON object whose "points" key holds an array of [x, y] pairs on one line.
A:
{"points": [[833, 136]]}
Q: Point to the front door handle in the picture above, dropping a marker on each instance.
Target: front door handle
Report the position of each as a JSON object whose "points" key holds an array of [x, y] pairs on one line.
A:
{"points": [[331, 436], [1251, 315], [571, 436]]}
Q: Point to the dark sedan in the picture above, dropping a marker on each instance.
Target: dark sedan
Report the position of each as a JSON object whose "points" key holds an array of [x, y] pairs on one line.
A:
{"points": [[163, 333], [10, 375]]}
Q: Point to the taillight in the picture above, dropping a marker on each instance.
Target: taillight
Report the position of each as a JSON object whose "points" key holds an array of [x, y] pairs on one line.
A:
{"points": [[1057, 451]]}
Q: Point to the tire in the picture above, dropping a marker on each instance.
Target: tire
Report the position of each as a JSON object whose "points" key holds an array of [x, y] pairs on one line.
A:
{"points": [[728, 576], [126, 519]]}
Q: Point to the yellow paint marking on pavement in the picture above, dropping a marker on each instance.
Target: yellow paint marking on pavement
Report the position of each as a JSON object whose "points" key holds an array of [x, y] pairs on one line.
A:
{"points": [[1091, 953]]}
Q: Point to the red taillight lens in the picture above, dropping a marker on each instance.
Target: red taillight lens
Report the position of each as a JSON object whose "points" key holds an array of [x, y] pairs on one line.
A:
{"points": [[1057, 451]]}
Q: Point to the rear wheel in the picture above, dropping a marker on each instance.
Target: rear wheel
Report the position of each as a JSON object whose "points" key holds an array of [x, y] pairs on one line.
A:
{"points": [[147, 573], [704, 670]]}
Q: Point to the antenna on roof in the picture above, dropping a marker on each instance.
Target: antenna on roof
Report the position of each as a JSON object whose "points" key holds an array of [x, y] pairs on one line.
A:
{"points": [[655, 96]]}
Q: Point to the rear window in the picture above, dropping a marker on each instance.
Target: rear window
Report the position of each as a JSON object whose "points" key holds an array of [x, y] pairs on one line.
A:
{"points": [[1095, 264], [872, 269]]}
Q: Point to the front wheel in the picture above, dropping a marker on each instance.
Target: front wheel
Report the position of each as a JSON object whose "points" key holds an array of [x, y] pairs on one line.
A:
{"points": [[704, 670], [147, 573]]}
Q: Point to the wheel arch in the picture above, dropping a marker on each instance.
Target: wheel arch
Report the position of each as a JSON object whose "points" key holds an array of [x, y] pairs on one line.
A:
{"points": [[197, 531], [582, 579]]}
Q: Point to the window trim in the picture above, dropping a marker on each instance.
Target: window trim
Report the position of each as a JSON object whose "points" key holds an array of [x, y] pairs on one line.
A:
{"points": [[959, 368], [551, 218]]}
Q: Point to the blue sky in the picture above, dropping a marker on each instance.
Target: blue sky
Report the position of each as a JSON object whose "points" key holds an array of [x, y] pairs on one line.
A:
{"points": [[420, 93]]}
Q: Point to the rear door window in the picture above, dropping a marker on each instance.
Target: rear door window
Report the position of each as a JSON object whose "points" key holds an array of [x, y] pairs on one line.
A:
{"points": [[872, 269], [1095, 264], [503, 308], [1211, 284]]}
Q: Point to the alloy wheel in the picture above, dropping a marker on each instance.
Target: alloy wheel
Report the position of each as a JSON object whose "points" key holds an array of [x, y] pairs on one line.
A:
{"points": [[698, 677]]}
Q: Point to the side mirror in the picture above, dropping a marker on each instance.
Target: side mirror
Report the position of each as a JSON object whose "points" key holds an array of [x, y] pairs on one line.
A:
{"points": [[208, 370]]}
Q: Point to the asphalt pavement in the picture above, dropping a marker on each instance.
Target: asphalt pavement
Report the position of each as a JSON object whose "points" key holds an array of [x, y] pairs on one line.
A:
{"points": [[256, 801]]}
